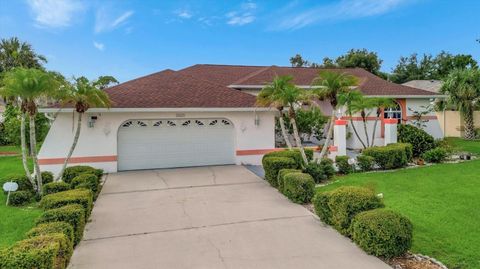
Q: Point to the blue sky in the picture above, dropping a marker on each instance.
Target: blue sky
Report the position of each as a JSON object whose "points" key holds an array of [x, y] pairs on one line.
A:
{"points": [[128, 39]]}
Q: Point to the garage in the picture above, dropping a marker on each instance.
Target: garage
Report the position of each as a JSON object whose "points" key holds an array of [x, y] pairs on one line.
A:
{"points": [[168, 143]]}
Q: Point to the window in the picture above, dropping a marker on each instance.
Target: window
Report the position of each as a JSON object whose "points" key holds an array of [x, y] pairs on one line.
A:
{"points": [[393, 113]]}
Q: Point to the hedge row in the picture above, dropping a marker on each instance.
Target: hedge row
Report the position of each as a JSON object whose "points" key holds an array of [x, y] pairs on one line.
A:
{"points": [[60, 227], [358, 213], [391, 156]]}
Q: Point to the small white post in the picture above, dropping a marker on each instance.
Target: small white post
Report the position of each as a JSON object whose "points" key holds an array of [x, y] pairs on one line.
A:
{"points": [[390, 131], [340, 137]]}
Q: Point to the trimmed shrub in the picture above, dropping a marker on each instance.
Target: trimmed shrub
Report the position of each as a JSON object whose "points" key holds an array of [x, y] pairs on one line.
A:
{"points": [[320, 171], [19, 198], [408, 150], [73, 214], [88, 181], [299, 187], [365, 162], [382, 233], [418, 138], [82, 197], [52, 228], [47, 177], [281, 174], [74, 171], [54, 187], [23, 183], [436, 155], [345, 202], [272, 165], [294, 154], [342, 165], [389, 157], [320, 203], [51, 251]]}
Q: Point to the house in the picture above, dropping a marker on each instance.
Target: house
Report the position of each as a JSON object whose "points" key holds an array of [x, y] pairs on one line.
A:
{"points": [[201, 115]]}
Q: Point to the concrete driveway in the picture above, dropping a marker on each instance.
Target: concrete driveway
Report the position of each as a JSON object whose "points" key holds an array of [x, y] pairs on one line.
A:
{"points": [[207, 217]]}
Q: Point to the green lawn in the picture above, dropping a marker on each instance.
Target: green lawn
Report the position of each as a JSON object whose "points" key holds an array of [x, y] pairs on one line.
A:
{"points": [[442, 201], [464, 145], [14, 221]]}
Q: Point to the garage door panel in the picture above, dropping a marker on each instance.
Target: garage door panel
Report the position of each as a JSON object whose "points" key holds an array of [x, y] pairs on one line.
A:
{"points": [[144, 145]]}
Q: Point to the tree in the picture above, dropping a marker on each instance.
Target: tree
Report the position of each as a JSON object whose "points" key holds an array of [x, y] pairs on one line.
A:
{"points": [[347, 99], [380, 103], [282, 93], [84, 94], [311, 122], [363, 106], [463, 89], [446, 62], [361, 58], [27, 87], [329, 85], [298, 61], [14, 53]]}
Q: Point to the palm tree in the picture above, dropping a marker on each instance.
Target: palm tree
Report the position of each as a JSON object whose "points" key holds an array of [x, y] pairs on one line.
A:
{"points": [[84, 94], [463, 90], [364, 106], [347, 99], [283, 93], [266, 98], [14, 53], [27, 87], [330, 85], [380, 103]]}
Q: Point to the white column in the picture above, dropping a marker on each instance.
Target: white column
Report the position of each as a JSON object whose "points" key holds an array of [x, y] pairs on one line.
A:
{"points": [[340, 137], [390, 131]]}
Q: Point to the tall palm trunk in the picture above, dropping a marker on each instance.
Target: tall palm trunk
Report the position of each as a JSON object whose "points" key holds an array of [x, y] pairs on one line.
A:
{"points": [[33, 145], [72, 148], [24, 151], [355, 129], [365, 129], [284, 131], [375, 129], [298, 141], [469, 126], [329, 135]]}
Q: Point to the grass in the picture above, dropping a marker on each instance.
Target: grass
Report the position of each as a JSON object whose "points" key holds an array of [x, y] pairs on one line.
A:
{"points": [[14, 221], [459, 144], [441, 201]]}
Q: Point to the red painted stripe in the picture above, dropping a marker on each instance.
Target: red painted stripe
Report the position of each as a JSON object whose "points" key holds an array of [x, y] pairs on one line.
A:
{"points": [[340, 122], [90, 159], [390, 121], [246, 152], [333, 148], [360, 118]]}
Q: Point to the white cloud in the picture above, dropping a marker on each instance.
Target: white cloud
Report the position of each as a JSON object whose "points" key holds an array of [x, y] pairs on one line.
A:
{"points": [[343, 10], [104, 21], [54, 13], [99, 46], [243, 16], [184, 13]]}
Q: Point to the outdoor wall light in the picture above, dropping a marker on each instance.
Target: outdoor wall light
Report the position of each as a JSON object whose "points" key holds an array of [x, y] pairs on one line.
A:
{"points": [[91, 121]]}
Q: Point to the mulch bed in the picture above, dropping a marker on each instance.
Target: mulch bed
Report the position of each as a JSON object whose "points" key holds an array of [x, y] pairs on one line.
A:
{"points": [[414, 261]]}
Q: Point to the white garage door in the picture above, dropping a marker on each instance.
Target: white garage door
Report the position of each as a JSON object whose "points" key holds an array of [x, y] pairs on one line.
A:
{"points": [[165, 143]]}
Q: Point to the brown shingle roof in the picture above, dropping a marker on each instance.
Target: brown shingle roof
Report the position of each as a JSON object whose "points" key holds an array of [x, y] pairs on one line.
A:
{"points": [[205, 85], [170, 89]]}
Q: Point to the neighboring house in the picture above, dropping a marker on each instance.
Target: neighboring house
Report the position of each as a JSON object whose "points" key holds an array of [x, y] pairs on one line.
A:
{"points": [[427, 85], [200, 115]]}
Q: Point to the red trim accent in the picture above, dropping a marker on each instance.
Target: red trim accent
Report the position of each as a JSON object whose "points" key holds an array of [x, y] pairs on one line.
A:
{"points": [[390, 121], [90, 159], [246, 152], [340, 122], [333, 148]]}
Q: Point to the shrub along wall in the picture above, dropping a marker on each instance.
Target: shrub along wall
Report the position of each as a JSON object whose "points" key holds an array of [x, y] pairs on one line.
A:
{"points": [[391, 156], [299, 187], [358, 213]]}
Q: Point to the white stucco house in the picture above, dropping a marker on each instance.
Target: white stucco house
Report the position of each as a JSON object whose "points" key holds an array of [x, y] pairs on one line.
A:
{"points": [[200, 115]]}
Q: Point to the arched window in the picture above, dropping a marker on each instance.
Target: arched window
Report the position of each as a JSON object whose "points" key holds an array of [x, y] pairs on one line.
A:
{"points": [[394, 112]]}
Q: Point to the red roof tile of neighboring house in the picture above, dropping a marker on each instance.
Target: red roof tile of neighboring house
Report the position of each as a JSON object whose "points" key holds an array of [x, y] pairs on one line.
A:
{"points": [[205, 85]]}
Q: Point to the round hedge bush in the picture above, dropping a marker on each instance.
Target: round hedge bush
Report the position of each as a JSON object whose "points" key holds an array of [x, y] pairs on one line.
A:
{"points": [[320, 171], [272, 165], [345, 202], [365, 162], [23, 183], [299, 187], [281, 174], [436, 155], [54, 187], [418, 138], [47, 177], [74, 171], [19, 198], [89, 181], [382, 233]]}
